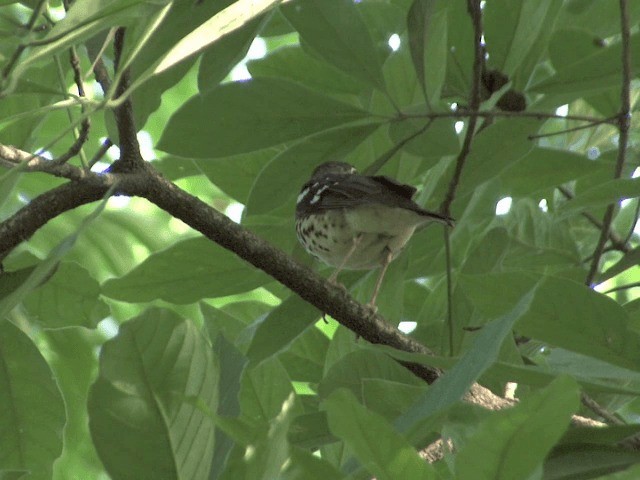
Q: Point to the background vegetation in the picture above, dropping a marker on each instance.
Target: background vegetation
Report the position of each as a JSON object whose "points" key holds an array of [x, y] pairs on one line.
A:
{"points": [[158, 319]]}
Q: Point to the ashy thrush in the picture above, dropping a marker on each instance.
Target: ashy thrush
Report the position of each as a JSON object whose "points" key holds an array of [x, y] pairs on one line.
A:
{"points": [[357, 222]]}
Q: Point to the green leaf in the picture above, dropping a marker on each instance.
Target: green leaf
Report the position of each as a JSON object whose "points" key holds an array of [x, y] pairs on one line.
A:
{"points": [[291, 62], [245, 116], [311, 431], [603, 194], [563, 313], [591, 381], [232, 363], [305, 358], [304, 465], [32, 413], [363, 370], [595, 16], [511, 29], [267, 457], [595, 73], [629, 260], [85, 19], [43, 270], [226, 53], [185, 273], [379, 448], [450, 388], [282, 326], [569, 46], [584, 461], [427, 30], [235, 16], [69, 298], [543, 168], [74, 363], [485, 162], [157, 386], [335, 31], [280, 180], [263, 390], [439, 139], [514, 442]]}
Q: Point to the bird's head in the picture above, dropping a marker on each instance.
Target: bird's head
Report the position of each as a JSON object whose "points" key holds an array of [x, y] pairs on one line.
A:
{"points": [[332, 168]]}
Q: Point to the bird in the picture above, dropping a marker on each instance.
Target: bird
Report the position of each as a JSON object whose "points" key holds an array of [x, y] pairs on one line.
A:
{"points": [[358, 222]]}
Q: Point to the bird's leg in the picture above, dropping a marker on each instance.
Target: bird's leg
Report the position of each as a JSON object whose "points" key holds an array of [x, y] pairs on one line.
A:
{"points": [[376, 289], [354, 245]]}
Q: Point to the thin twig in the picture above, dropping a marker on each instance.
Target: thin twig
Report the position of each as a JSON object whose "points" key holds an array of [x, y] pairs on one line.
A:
{"points": [[83, 135], [626, 286], [102, 75], [592, 405], [573, 129], [106, 145], [623, 127], [465, 112], [386, 156], [617, 243], [474, 105]]}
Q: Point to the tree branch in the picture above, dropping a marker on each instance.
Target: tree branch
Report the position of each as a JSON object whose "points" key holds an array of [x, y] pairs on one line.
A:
{"points": [[623, 127], [474, 105], [12, 157], [616, 242], [130, 157]]}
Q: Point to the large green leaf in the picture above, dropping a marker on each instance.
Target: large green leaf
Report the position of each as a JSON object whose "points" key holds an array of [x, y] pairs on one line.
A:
{"points": [[450, 388], [378, 446], [281, 179], [43, 270], [587, 460], [595, 73], [222, 56], [185, 273], [485, 161], [69, 298], [271, 451], [291, 62], [233, 17], [363, 370], [435, 139], [542, 168], [85, 19], [334, 30], [245, 116], [427, 31], [32, 414], [149, 409], [603, 194], [563, 313], [512, 28], [74, 364], [263, 389], [282, 326], [304, 465], [514, 442], [599, 17]]}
